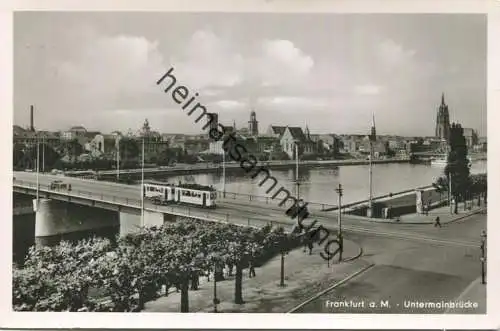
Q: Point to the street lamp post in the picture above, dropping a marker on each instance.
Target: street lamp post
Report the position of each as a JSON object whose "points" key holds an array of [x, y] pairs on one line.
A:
{"points": [[483, 257], [340, 191], [142, 185], [43, 154], [216, 301], [118, 158], [283, 250], [297, 169], [223, 173], [449, 193], [37, 171], [370, 179]]}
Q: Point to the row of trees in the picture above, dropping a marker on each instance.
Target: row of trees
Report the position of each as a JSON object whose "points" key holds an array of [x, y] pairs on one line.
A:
{"points": [[457, 180], [132, 270]]}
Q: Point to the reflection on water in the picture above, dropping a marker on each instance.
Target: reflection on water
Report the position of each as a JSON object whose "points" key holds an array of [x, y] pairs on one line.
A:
{"points": [[318, 185]]}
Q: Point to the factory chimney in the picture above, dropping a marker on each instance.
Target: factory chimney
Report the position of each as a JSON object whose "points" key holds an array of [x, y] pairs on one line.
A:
{"points": [[32, 126]]}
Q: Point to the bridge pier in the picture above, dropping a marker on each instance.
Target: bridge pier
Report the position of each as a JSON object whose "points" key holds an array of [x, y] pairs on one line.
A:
{"points": [[54, 219], [130, 223]]}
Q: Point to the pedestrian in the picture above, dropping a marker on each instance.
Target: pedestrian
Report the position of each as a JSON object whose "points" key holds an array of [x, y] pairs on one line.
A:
{"points": [[251, 266], [437, 222]]}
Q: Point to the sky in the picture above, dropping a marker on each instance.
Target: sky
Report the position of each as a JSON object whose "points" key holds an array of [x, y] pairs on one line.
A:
{"points": [[330, 72]]}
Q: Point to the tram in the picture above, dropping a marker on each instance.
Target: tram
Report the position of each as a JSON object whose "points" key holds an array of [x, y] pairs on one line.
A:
{"points": [[191, 194]]}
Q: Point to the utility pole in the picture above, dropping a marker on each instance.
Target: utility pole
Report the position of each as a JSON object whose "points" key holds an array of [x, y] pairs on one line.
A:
{"points": [[37, 171], [340, 192], [223, 173], [449, 193], [216, 301], [43, 154], [483, 257], [372, 139], [142, 185], [117, 158], [297, 169], [370, 179]]}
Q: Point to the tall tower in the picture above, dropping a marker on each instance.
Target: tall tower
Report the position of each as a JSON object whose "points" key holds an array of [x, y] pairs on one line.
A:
{"points": [[213, 121], [443, 121], [253, 125], [146, 130], [373, 131], [32, 123]]}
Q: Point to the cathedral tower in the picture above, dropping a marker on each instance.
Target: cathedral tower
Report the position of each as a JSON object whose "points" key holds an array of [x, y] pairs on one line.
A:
{"points": [[253, 125], [443, 121]]}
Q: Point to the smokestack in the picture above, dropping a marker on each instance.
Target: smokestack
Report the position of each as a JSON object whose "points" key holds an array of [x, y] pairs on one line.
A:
{"points": [[32, 126]]}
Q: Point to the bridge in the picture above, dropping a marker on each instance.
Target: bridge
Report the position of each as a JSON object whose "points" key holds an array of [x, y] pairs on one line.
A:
{"points": [[53, 213]]}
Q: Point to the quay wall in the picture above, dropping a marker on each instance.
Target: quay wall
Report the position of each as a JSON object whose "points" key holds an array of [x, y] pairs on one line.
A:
{"points": [[400, 203], [232, 166]]}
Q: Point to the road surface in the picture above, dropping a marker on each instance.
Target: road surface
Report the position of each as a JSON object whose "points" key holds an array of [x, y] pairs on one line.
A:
{"points": [[408, 273]]}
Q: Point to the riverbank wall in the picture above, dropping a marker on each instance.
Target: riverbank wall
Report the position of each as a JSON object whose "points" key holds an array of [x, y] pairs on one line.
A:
{"points": [[400, 203], [180, 170]]}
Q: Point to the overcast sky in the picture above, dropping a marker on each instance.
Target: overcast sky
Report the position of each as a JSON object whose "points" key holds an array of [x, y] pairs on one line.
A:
{"points": [[329, 71]]}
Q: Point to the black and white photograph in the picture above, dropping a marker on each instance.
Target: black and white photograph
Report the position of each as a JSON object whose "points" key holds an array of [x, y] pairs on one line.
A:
{"points": [[249, 162]]}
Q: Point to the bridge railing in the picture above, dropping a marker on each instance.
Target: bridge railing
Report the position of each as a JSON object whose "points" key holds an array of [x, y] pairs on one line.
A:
{"points": [[269, 200], [180, 210], [80, 193]]}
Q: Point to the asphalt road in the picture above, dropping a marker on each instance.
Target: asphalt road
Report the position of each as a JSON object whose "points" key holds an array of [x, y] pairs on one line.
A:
{"points": [[408, 272]]}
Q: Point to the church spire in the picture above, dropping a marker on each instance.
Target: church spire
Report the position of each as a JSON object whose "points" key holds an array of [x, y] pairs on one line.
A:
{"points": [[442, 99], [373, 133]]}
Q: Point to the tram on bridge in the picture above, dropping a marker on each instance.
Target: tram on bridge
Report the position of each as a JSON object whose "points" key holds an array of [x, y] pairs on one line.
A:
{"points": [[191, 194]]}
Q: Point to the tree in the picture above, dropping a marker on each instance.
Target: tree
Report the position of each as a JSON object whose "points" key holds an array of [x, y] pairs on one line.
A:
{"points": [[18, 160], [130, 149], [72, 148], [458, 166]]}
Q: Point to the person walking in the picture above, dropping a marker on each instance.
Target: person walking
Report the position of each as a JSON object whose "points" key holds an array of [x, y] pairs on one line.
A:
{"points": [[437, 222], [251, 266]]}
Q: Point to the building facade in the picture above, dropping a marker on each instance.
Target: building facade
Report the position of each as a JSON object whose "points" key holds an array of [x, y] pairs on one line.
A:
{"points": [[293, 138]]}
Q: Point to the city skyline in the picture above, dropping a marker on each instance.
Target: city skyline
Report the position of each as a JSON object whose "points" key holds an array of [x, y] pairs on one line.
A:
{"points": [[100, 70]]}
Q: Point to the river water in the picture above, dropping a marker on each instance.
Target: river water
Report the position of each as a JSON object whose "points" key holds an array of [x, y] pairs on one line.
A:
{"points": [[316, 185]]}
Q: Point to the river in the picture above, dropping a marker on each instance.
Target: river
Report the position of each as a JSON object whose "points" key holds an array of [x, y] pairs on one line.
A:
{"points": [[318, 185]]}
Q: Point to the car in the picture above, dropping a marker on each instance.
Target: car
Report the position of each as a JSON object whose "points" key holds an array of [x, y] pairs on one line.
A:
{"points": [[58, 184]]}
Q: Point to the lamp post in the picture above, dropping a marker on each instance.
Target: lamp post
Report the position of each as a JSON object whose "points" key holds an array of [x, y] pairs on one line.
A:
{"points": [[37, 171], [297, 169], [43, 154], [283, 250], [370, 180], [340, 191], [223, 173], [216, 301], [449, 193], [142, 185], [117, 158], [483, 257]]}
